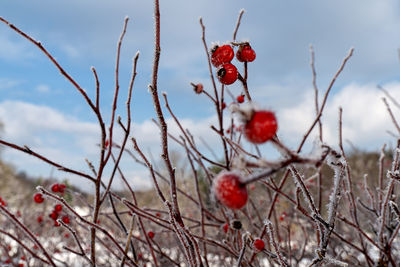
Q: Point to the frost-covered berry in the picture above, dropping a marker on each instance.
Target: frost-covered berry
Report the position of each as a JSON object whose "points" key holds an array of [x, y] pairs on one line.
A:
{"points": [[240, 98], [53, 215], [261, 127], [227, 73], [225, 227], [58, 208], [221, 54], [66, 219], [245, 53], [230, 190], [38, 198], [198, 88], [151, 234], [61, 188], [55, 188], [258, 245]]}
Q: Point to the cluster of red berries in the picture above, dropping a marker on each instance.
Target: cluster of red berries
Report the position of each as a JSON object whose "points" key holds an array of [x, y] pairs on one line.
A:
{"points": [[58, 188], [2, 202], [57, 210], [221, 57], [55, 214]]}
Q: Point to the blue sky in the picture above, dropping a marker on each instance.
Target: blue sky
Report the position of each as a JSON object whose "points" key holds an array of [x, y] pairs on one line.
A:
{"points": [[42, 110]]}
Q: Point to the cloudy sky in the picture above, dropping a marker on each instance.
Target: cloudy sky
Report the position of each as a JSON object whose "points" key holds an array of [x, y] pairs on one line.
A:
{"points": [[39, 108]]}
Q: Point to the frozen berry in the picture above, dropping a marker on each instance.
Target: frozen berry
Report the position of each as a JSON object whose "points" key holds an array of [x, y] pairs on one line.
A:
{"points": [[229, 190], [225, 228], [106, 143], [245, 53], [40, 219], [258, 245], [221, 54], [150, 234], [53, 215], [240, 98], [227, 74], [55, 188], [61, 188], [58, 208], [38, 198], [261, 127], [223, 105], [198, 88], [65, 219]]}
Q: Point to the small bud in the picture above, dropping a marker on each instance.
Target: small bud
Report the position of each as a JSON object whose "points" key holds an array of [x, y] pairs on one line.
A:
{"points": [[198, 88]]}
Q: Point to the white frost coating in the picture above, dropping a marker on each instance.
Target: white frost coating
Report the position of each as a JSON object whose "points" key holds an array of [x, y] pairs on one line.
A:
{"points": [[164, 93], [239, 162], [303, 190], [337, 163], [245, 111], [336, 262], [126, 17], [92, 68], [40, 188], [137, 54]]}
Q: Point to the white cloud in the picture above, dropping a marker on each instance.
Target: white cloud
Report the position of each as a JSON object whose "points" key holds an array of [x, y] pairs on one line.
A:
{"points": [[68, 140], [42, 88], [6, 83], [365, 118]]}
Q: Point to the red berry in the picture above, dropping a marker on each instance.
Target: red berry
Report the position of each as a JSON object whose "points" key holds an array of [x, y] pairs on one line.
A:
{"points": [[23, 258], [223, 105], [158, 214], [229, 190], [56, 224], [240, 98], [198, 88], [225, 227], [261, 127], [245, 53], [227, 74], [40, 219], [58, 208], [258, 245], [66, 219], [8, 261], [61, 188], [38, 198], [53, 215], [151, 234], [221, 54], [66, 235], [106, 143], [55, 188]]}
